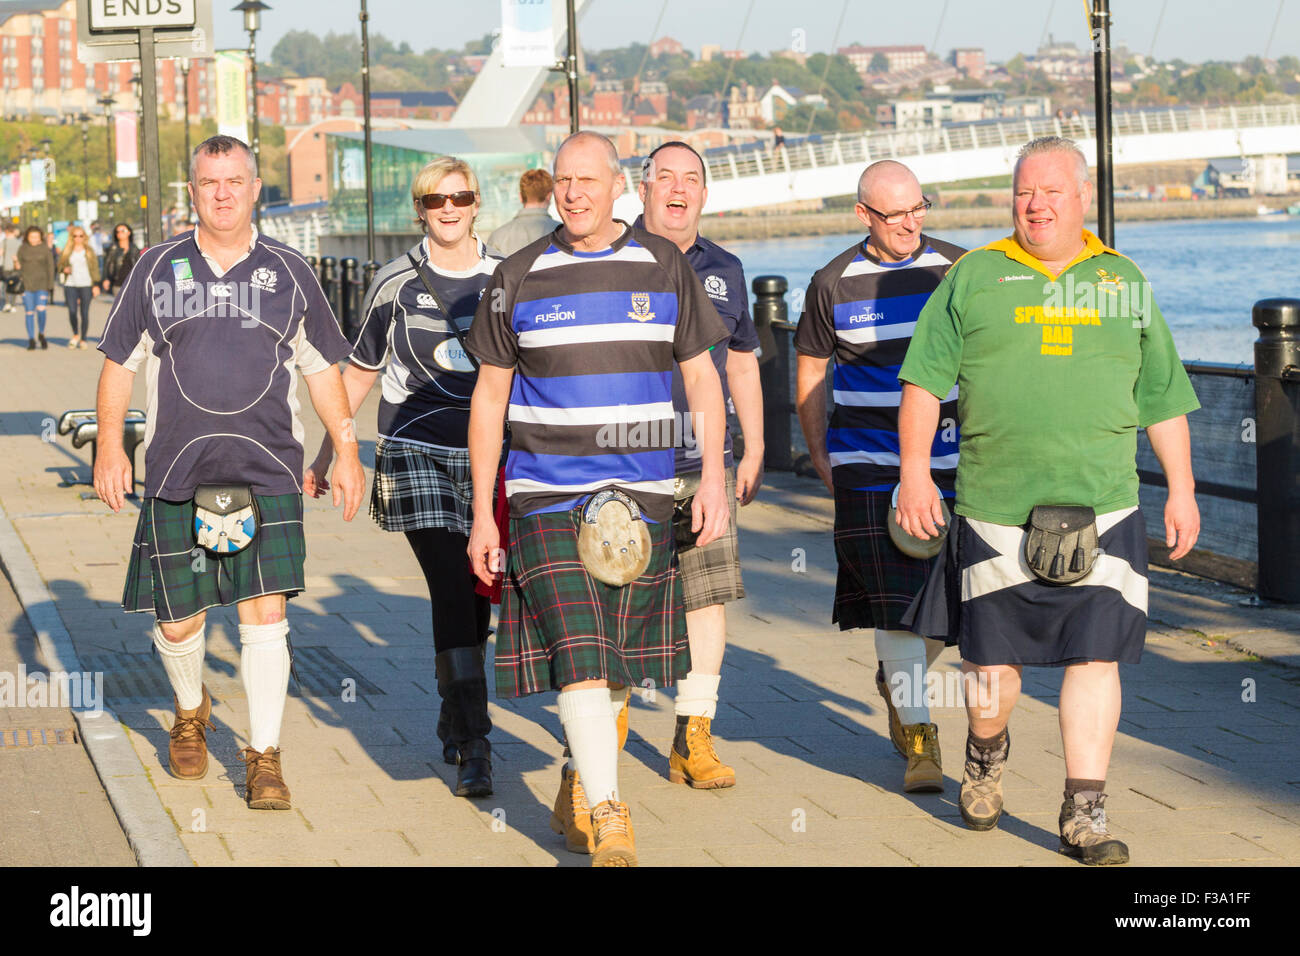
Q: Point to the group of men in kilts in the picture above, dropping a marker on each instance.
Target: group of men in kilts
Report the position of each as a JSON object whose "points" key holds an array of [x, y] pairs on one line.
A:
{"points": [[603, 332]]}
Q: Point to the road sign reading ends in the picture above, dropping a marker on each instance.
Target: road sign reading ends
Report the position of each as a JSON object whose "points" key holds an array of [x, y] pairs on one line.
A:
{"points": [[110, 16]]}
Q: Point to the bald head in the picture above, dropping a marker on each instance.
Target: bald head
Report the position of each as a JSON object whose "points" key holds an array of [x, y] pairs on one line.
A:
{"points": [[885, 176], [588, 138]]}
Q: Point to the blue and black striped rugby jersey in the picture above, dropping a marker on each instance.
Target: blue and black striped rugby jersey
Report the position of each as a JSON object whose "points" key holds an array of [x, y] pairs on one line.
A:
{"points": [[863, 312], [592, 337]]}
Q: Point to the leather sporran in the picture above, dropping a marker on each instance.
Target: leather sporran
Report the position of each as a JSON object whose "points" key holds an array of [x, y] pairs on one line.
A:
{"points": [[1061, 544], [911, 545], [684, 489], [613, 540], [225, 517]]}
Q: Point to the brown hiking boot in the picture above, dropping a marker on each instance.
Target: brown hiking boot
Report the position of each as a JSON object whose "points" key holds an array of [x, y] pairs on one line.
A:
{"points": [[622, 718], [924, 772], [981, 783], [187, 751], [615, 842], [1084, 833], [571, 816], [693, 760], [895, 724], [264, 787]]}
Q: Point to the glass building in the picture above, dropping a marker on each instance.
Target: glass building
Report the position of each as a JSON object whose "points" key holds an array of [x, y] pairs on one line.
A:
{"points": [[498, 156]]}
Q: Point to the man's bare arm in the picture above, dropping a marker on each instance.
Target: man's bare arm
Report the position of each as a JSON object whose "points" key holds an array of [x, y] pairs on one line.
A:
{"points": [[710, 510], [330, 400], [1172, 443], [112, 476], [919, 511], [747, 395], [810, 402], [487, 415]]}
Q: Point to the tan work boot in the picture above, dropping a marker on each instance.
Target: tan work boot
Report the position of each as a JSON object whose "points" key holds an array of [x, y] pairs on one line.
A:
{"points": [[924, 772], [572, 817], [693, 760], [264, 787], [895, 724], [187, 751], [622, 719], [615, 842], [981, 783]]}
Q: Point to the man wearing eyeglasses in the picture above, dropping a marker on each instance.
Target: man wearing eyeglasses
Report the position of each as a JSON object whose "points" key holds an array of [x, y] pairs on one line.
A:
{"points": [[861, 308]]}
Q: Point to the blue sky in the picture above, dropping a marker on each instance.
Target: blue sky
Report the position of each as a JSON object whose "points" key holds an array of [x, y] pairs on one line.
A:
{"points": [[1195, 30]]}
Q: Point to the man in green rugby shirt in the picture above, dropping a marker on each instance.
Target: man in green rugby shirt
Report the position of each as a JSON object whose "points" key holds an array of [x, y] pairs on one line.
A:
{"points": [[1060, 355]]}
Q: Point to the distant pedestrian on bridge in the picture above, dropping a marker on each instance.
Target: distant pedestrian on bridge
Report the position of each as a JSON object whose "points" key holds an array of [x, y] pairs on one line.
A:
{"points": [[532, 221], [1061, 355], [861, 308]]}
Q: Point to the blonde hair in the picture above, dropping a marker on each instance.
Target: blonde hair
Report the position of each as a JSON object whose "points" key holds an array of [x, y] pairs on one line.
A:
{"points": [[428, 178]]}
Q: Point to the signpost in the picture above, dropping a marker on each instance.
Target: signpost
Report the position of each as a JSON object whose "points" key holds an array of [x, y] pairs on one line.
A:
{"points": [[144, 29]]}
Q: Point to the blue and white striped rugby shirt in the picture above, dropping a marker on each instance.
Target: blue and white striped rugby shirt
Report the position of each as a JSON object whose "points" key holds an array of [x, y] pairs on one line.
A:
{"points": [[863, 312], [592, 337]]}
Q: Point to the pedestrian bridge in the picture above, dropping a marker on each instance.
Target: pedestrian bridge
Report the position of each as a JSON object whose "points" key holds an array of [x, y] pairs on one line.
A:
{"points": [[829, 165]]}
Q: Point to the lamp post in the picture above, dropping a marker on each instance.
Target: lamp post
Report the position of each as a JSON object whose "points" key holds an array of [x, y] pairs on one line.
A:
{"points": [[252, 10], [371, 265], [185, 79], [84, 119]]}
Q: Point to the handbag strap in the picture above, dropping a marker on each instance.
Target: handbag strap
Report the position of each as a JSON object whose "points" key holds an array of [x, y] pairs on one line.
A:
{"points": [[437, 300]]}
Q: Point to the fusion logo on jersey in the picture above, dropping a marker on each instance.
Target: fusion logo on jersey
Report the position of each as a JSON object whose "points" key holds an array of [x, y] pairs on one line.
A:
{"points": [[866, 317], [556, 315]]}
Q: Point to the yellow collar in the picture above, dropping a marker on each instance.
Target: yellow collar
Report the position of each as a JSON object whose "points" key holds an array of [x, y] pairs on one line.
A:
{"points": [[1092, 246]]}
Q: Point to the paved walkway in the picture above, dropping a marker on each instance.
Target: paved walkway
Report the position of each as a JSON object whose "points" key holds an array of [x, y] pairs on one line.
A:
{"points": [[1204, 769]]}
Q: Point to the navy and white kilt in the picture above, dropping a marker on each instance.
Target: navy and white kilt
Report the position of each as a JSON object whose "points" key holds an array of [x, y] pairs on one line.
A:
{"points": [[421, 486], [982, 593]]}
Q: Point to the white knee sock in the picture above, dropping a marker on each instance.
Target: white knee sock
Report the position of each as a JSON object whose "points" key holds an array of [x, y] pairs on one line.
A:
{"points": [[697, 695], [903, 656], [617, 695], [183, 662], [593, 741], [264, 666]]}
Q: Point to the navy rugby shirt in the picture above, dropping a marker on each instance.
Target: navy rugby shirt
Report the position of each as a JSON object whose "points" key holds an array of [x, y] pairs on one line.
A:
{"points": [[428, 378], [863, 312], [592, 337], [221, 355], [723, 278]]}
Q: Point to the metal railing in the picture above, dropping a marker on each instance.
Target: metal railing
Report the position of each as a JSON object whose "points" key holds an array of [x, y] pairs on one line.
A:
{"points": [[855, 149]]}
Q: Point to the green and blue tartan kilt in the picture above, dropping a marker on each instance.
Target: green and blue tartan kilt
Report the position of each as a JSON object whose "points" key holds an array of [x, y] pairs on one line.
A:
{"points": [[559, 625], [175, 579], [876, 582]]}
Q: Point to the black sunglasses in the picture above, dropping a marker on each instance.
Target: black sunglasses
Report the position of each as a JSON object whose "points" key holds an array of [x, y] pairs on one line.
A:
{"points": [[465, 197]]}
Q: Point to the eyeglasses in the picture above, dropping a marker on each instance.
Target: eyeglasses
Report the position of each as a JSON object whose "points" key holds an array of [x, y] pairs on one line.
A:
{"points": [[894, 218], [463, 198]]}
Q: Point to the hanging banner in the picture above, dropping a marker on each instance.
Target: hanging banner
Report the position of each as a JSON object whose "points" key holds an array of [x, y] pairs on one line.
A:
{"points": [[6, 192], [38, 180], [25, 183], [125, 144], [16, 187], [232, 93], [526, 37]]}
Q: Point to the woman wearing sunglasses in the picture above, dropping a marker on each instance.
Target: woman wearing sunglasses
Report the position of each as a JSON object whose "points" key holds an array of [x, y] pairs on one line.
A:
{"points": [[422, 482], [79, 267]]}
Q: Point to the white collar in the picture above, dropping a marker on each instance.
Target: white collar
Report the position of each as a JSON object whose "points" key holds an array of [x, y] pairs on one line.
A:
{"points": [[212, 263]]}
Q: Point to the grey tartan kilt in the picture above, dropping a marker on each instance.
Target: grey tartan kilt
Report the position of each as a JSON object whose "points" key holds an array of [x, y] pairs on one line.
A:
{"points": [[421, 486], [711, 574]]}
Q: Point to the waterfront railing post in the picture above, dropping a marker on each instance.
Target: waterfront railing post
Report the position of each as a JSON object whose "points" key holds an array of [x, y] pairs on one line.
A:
{"points": [[1277, 447], [771, 319], [348, 297], [329, 283]]}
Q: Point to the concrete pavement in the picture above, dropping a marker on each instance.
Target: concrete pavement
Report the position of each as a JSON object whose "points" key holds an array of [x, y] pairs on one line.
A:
{"points": [[1203, 770]]}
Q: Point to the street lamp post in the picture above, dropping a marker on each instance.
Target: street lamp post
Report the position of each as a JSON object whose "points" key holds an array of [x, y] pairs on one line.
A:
{"points": [[185, 79], [107, 102], [85, 156], [371, 265], [252, 10]]}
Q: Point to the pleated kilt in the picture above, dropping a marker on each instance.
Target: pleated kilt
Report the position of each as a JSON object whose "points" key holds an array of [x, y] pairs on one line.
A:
{"points": [[175, 579], [982, 593], [711, 574], [559, 625], [876, 582], [420, 486]]}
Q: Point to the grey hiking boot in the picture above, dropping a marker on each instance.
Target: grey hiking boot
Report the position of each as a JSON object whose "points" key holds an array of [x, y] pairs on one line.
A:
{"points": [[1084, 833], [981, 783]]}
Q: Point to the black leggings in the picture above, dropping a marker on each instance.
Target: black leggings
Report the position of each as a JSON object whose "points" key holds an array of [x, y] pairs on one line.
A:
{"points": [[460, 617]]}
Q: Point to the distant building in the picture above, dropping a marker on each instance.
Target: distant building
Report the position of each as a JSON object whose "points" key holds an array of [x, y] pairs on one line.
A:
{"points": [[897, 58], [437, 105], [703, 110], [666, 46], [969, 61]]}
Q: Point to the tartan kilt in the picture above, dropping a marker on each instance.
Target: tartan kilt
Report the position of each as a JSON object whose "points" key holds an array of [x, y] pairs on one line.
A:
{"points": [[559, 625], [711, 574], [418, 486], [175, 579], [876, 582]]}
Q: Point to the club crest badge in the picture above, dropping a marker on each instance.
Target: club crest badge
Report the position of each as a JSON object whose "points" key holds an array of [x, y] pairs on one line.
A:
{"points": [[641, 307]]}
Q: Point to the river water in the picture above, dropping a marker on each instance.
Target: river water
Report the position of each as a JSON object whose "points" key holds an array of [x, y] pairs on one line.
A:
{"points": [[1205, 273]]}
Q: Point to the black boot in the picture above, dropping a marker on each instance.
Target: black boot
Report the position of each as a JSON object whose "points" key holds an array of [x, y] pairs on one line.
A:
{"points": [[449, 752], [464, 691]]}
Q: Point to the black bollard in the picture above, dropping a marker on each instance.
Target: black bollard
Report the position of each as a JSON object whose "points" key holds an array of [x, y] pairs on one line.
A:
{"points": [[350, 296], [369, 271], [771, 321], [1277, 447], [329, 283]]}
